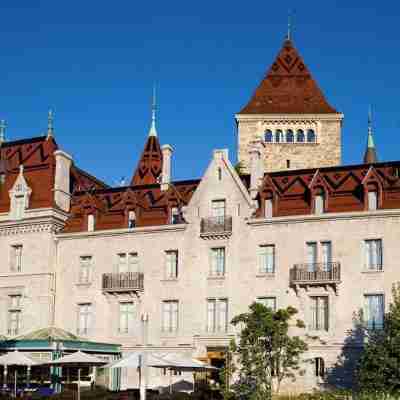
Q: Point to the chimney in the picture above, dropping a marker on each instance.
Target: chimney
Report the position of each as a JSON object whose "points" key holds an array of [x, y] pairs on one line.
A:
{"points": [[256, 165], [166, 150], [62, 195]]}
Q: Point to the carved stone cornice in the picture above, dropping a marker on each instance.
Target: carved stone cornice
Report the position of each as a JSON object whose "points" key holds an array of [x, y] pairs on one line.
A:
{"points": [[33, 227]]}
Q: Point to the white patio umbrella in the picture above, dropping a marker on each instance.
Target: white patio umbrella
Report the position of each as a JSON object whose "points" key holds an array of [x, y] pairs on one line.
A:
{"points": [[181, 362], [15, 358], [78, 360]]}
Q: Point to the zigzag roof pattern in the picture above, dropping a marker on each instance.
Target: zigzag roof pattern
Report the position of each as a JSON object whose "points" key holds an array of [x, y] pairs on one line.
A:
{"points": [[288, 88]]}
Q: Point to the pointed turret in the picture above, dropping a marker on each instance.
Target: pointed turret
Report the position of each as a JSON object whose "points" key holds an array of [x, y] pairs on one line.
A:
{"points": [[288, 87], [50, 124], [149, 167], [370, 156]]}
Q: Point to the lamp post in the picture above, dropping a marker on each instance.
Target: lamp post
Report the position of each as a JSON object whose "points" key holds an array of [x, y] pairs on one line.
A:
{"points": [[143, 360]]}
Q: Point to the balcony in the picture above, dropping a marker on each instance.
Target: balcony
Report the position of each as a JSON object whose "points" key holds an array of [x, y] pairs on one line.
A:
{"points": [[122, 282], [215, 227], [316, 274]]}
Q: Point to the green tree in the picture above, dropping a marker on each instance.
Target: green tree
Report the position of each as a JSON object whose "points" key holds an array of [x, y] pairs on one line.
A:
{"points": [[265, 353], [379, 365]]}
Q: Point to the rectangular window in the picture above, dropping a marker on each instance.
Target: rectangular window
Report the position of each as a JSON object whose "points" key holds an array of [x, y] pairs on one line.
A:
{"points": [[90, 222], [127, 262], [218, 209], [217, 315], [319, 204], [326, 248], [267, 259], [319, 313], [170, 312], [374, 311], [218, 261], [171, 258], [268, 208], [269, 302], [131, 219], [126, 314], [16, 258], [14, 315], [372, 201], [373, 255], [312, 256], [19, 202], [85, 269], [84, 318], [175, 216]]}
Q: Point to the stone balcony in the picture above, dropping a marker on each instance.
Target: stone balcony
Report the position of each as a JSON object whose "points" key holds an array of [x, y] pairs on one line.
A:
{"points": [[122, 282], [216, 227], [315, 274]]}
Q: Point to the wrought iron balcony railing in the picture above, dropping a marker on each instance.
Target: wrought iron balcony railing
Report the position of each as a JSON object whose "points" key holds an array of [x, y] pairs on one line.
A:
{"points": [[216, 225], [317, 273], [122, 282]]}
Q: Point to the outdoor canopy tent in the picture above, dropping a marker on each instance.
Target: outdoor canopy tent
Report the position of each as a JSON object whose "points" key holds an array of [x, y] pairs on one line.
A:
{"points": [[15, 358], [78, 360]]}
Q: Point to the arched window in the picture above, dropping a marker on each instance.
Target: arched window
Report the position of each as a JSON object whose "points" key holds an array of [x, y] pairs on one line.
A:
{"points": [[300, 136], [268, 136], [289, 136], [278, 135], [310, 136]]}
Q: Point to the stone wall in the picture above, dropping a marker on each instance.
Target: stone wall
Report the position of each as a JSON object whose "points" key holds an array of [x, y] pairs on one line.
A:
{"points": [[325, 152]]}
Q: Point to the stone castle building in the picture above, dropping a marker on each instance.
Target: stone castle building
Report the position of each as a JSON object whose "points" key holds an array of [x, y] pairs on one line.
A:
{"points": [[164, 265]]}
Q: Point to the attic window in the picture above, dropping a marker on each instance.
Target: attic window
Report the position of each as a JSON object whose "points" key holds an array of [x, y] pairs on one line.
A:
{"points": [[131, 219], [319, 204], [175, 216], [268, 208], [372, 200], [90, 222]]}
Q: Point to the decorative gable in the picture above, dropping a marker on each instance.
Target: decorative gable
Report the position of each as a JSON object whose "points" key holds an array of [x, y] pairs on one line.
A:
{"points": [[19, 196]]}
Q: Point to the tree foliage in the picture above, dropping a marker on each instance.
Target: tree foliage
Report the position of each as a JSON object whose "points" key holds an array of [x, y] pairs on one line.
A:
{"points": [[379, 366], [266, 354]]}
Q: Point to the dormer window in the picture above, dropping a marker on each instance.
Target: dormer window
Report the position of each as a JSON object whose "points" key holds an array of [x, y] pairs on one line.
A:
{"points": [[268, 208], [175, 216], [90, 221], [319, 204], [372, 200], [19, 196], [131, 219]]}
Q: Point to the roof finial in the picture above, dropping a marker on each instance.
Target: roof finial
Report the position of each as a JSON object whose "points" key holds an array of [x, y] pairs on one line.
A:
{"points": [[3, 126], [370, 156], [153, 131], [50, 120], [289, 25]]}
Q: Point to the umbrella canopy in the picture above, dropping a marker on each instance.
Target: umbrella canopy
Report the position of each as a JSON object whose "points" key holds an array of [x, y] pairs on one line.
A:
{"points": [[133, 360], [77, 359], [181, 362], [16, 358]]}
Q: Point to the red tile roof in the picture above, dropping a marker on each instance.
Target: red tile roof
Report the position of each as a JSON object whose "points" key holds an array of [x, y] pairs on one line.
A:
{"points": [[288, 87]]}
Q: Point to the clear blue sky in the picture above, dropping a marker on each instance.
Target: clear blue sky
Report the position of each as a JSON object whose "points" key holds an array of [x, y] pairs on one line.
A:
{"points": [[94, 62]]}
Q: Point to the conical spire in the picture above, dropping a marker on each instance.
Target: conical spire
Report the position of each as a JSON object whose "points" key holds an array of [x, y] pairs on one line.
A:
{"points": [[288, 87], [153, 130], [148, 170], [3, 127], [370, 156], [50, 122]]}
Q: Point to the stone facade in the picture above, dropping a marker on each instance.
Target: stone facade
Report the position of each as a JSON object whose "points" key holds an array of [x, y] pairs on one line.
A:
{"points": [[324, 152]]}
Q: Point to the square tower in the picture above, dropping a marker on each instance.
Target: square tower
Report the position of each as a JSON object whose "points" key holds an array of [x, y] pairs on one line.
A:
{"points": [[289, 112]]}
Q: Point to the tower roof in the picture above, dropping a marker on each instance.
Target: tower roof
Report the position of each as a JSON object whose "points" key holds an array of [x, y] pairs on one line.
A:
{"points": [[370, 156], [288, 87], [149, 167]]}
